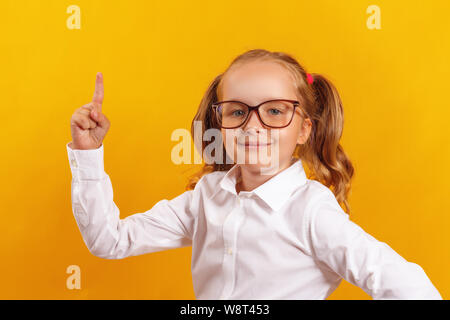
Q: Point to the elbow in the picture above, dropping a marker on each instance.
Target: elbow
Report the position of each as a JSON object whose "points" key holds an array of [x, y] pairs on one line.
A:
{"points": [[102, 249], [104, 241], [432, 294], [424, 293], [409, 283], [104, 254], [101, 243], [100, 254]]}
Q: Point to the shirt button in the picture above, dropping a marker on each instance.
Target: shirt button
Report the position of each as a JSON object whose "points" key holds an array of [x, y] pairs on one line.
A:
{"points": [[74, 163], [230, 251]]}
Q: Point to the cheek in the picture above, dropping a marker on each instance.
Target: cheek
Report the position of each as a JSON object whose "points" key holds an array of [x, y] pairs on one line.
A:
{"points": [[228, 144], [288, 136], [224, 136]]}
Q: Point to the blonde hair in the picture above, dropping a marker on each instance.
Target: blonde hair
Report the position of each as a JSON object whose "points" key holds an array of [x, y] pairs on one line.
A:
{"points": [[322, 154]]}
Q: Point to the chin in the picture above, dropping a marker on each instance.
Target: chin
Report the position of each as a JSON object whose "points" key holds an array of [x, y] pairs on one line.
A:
{"points": [[255, 157], [254, 164]]}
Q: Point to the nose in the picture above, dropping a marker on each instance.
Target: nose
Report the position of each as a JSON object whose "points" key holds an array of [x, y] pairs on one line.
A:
{"points": [[253, 121]]}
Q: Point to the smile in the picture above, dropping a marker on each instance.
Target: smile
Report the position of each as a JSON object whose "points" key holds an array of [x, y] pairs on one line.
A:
{"points": [[254, 145]]}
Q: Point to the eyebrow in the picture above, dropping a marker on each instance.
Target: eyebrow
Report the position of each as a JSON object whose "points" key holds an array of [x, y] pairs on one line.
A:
{"points": [[266, 99]]}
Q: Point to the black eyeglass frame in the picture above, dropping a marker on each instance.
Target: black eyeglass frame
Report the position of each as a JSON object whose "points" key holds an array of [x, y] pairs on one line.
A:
{"points": [[251, 108]]}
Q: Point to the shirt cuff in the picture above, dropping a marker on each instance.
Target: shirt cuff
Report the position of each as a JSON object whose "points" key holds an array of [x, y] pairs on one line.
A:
{"points": [[86, 164]]}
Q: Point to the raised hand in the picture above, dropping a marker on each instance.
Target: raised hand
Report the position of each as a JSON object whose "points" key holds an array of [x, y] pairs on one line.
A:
{"points": [[88, 124]]}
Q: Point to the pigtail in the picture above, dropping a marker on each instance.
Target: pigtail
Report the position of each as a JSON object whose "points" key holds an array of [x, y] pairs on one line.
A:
{"points": [[330, 164], [206, 116]]}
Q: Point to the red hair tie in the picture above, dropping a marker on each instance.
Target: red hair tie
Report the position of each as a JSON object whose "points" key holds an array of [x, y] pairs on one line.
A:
{"points": [[309, 78]]}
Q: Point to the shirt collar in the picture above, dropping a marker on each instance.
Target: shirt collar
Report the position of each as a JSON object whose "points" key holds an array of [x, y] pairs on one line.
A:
{"points": [[275, 191]]}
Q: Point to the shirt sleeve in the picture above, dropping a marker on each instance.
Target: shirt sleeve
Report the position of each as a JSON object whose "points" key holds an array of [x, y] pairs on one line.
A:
{"points": [[359, 258], [167, 225]]}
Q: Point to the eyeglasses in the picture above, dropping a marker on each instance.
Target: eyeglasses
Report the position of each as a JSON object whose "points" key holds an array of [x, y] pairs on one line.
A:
{"points": [[277, 113]]}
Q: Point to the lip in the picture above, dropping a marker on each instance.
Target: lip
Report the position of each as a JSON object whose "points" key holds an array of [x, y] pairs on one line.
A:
{"points": [[254, 145]]}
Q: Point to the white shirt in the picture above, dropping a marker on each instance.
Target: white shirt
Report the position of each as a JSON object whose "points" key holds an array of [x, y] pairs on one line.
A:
{"points": [[286, 239]]}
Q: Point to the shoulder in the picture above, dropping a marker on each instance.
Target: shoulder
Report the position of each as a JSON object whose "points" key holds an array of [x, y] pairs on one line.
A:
{"points": [[209, 182], [324, 222], [319, 203], [314, 192], [322, 209], [311, 199], [192, 198]]}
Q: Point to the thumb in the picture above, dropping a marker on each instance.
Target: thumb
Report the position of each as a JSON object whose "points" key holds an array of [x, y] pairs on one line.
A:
{"points": [[100, 118]]}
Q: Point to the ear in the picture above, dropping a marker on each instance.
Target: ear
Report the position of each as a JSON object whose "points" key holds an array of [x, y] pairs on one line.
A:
{"points": [[305, 131]]}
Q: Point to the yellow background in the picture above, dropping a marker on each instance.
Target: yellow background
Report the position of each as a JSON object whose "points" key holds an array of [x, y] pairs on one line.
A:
{"points": [[157, 58]]}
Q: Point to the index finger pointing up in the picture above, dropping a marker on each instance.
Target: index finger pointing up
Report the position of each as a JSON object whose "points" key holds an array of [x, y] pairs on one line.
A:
{"points": [[98, 93]]}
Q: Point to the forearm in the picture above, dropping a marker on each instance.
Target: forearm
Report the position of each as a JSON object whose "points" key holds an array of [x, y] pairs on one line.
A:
{"points": [[97, 216], [360, 258], [166, 225]]}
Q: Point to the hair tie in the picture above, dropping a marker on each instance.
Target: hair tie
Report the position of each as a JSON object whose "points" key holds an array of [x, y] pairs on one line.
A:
{"points": [[309, 78]]}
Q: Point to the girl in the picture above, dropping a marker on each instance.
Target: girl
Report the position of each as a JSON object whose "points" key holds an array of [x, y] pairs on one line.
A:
{"points": [[254, 234]]}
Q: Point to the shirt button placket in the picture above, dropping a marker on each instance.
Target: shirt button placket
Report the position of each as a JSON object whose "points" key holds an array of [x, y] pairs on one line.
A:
{"points": [[230, 230]]}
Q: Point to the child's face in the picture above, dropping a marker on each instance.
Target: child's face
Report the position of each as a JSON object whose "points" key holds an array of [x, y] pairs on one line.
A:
{"points": [[253, 83]]}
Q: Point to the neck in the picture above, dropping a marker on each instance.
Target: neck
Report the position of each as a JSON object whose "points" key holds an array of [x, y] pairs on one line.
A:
{"points": [[250, 177]]}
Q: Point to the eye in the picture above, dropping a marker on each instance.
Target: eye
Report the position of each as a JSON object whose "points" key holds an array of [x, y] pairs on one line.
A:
{"points": [[237, 113], [274, 111]]}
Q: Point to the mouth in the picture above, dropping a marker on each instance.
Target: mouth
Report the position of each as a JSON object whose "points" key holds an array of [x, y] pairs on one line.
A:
{"points": [[254, 144]]}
